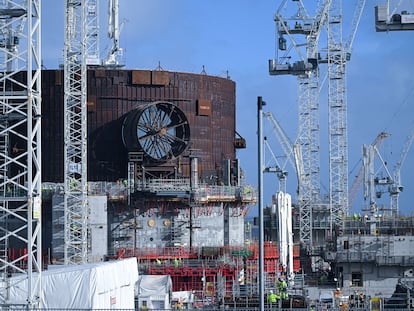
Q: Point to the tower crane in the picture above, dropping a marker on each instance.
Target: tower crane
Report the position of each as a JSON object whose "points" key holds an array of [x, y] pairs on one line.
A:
{"points": [[359, 178], [374, 185], [283, 139], [81, 49], [278, 169], [393, 16], [75, 129], [93, 56], [283, 200], [329, 16], [290, 152], [370, 180], [338, 55], [387, 18], [20, 152], [395, 188], [296, 27]]}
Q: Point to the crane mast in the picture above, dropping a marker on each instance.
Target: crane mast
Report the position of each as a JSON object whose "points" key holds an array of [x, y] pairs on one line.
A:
{"points": [[337, 121], [296, 27], [93, 56], [306, 68], [81, 49], [20, 149], [75, 130], [308, 130], [338, 54]]}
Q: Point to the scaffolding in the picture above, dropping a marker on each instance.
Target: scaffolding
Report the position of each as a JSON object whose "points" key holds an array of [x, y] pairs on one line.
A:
{"points": [[214, 274]]}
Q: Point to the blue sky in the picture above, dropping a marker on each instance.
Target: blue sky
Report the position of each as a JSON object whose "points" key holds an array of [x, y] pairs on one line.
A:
{"points": [[238, 37]]}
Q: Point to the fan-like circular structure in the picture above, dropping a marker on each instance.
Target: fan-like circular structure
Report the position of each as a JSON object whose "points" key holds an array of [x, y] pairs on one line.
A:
{"points": [[159, 129]]}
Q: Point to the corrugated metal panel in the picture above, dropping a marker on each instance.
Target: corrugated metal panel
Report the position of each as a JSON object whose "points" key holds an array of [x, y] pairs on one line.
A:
{"points": [[141, 77], [160, 78], [113, 93]]}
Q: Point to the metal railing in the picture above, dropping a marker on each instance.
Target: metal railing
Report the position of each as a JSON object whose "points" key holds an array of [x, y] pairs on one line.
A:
{"points": [[203, 193], [210, 308]]}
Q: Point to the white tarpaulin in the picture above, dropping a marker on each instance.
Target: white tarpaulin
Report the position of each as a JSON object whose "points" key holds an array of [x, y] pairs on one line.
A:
{"points": [[155, 291], [104, 285]]}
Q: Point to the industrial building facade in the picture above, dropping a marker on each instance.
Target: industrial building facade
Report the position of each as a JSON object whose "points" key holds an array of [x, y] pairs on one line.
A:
{"points": [[162, 149], [208, 104]]}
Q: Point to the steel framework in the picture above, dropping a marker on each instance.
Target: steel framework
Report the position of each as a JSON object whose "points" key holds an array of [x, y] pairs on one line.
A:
{"points": [[307, 71], [309, 133], [288, 152], [20, 149], [329, 16], [75, 128], [359, 178], [337, 115], [93, 56], [339, 53]]}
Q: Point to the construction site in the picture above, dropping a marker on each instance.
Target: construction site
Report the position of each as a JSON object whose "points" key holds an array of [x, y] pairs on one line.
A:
{"points": [[133, 175]]}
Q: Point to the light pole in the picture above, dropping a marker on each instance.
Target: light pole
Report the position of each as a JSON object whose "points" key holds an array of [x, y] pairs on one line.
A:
{"points": [[260, 104]]}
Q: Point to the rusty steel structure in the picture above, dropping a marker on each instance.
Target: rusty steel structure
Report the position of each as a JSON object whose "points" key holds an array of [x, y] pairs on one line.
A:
{"points": [[202, 104], [164, 143]]}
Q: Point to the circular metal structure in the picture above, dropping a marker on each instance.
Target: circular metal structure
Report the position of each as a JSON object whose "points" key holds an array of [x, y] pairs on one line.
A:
{"points": [[208, 102], [159, 129]]}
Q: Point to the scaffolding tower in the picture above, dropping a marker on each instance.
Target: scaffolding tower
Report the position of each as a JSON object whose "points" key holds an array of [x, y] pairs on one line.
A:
{"points": [[20, 150]]}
